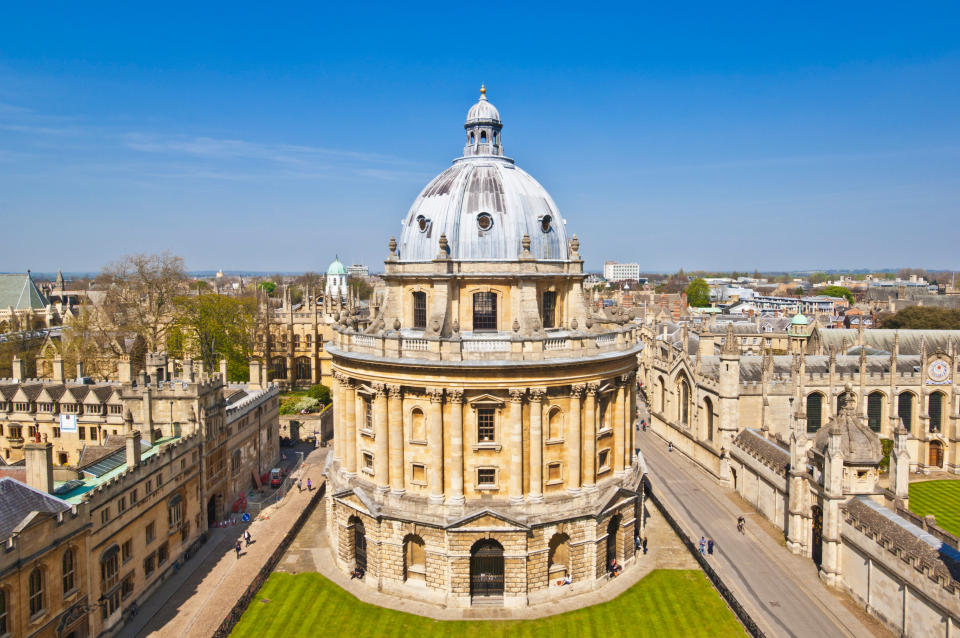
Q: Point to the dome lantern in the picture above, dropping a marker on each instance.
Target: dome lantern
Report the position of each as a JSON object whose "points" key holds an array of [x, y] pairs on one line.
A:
{"points": [[483, 128]]}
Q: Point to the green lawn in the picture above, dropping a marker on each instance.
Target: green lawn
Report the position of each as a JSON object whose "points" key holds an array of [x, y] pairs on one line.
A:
{"points": [[665, 603], [940, 498]]}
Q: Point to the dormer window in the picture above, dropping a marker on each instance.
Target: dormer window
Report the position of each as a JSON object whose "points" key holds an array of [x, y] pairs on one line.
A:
{"points": [[422, 223], [545, 223]]}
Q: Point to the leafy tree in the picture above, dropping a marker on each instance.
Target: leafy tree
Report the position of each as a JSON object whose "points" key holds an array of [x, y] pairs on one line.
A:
{"points": [[215, 327], [838, 291], [923, 317], [362, 288], [267, 286], [319, 392], [698, 293], [819, 278]]}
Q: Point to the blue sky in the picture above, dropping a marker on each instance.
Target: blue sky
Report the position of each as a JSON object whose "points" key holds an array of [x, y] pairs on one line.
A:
{"points": [[714, 135]]}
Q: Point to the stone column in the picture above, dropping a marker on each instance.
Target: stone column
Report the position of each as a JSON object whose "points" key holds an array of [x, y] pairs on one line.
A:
{"points": [[536, 444], [337, 415], [349, 428], [435, 442], [619, 429], [455, 400], [589, 427], [381, 467], [573, 440], [515, 441], [395, 417]]}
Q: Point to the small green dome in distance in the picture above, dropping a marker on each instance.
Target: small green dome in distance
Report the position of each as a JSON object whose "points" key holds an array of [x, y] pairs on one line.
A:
{"points": [[336, 268], [799, 320]]}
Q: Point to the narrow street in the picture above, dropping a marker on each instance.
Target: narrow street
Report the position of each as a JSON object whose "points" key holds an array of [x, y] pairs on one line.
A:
{"points": [[782, 592]]}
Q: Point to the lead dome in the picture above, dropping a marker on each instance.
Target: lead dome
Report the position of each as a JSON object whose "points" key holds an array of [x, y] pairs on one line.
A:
{"points": [[484, 204]]}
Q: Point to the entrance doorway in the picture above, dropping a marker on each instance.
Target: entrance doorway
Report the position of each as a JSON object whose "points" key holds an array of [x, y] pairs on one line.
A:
{"points": [[817, 541], [212, 511], [613, 528], [936, 454], [359, 544], [486, 569]]}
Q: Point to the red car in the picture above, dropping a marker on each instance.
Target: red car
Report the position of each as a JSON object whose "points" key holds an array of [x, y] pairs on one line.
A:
{"points": [[276, 477]]}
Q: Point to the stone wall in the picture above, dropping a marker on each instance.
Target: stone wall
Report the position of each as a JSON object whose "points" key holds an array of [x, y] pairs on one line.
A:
{"points": [[896, 584]]}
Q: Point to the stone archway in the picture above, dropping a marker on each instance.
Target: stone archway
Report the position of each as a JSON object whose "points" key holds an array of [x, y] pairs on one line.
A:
{"points": [[613, 531]]}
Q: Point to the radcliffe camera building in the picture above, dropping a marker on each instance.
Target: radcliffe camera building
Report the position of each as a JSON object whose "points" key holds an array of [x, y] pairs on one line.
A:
{"points": [[483, 441]]}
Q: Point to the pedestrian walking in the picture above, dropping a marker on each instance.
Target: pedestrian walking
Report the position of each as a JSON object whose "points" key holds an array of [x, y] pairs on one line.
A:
{"points": [[247, 537], [299, 485], [741, 523], [670, 446], [644, 544], [703, 545], [309, 485], [710, 546], [238, 547], [643, 424]]}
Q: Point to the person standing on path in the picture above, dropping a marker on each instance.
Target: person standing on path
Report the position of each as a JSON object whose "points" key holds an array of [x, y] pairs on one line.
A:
{"points": [[670, 446], [309, 485], [300, 485], [703, 545], [247, 538], [238, 547], [710, 546]]}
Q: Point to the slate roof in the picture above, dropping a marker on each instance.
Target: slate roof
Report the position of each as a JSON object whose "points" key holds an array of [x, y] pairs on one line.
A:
{"points": [[20, 293], [764, 450], [882, 339], [18, 501], [905, 539]]}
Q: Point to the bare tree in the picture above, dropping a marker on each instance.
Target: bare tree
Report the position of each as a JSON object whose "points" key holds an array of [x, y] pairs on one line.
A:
{"points": [[139, 293]]}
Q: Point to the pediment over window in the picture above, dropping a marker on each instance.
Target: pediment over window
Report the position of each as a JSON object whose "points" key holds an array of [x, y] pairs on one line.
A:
{"points": [[488, 520], [487, 400]]}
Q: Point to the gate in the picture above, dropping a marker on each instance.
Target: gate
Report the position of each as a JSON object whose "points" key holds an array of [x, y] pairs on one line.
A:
{"points": [[486, 569], [360, 546], [613, 528]]}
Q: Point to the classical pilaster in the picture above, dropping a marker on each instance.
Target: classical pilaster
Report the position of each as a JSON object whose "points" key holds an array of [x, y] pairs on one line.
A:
{"points": [[536, 443], [589, 426], [516, 444], [381, 462], [395, 416], [337, 416], [455, 400], [435, 442], [349, 429], [573, 440], [619, 429]]}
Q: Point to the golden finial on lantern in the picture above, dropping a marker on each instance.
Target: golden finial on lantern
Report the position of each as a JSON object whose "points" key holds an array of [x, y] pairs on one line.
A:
{"points": [[483, 89]]}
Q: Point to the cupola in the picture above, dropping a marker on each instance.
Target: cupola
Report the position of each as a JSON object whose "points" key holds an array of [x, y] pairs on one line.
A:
{"points": [[483, 128]]}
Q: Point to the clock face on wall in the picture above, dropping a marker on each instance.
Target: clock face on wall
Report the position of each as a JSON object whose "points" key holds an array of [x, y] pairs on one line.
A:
{"points": [[938, 370]]}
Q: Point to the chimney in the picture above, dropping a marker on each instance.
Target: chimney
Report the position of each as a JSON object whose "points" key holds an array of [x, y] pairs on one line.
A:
{"points": [[58, 368], [17, 368], [188, 370], [79, 369], [223, 370], [133, 447], [125, 370], [39, 459], [255, 374]]}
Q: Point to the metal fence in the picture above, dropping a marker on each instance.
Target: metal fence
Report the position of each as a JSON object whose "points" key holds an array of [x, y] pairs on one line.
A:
{"points": [[233, 617], [742, 614]]}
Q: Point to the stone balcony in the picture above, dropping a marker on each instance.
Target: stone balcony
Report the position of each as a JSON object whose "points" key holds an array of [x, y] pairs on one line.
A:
{"points": [[489, 346]]}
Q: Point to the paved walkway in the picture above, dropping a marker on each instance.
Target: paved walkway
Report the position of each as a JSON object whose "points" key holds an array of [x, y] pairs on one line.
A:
{"points": [[310, 552], [193, 602], [781, 591]]}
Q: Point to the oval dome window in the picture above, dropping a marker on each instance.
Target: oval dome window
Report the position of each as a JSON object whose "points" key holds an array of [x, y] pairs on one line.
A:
{"points": [[484, 221], [422, 223], [545, 223]]}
